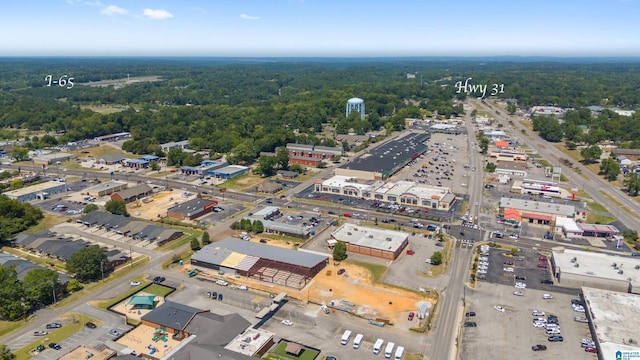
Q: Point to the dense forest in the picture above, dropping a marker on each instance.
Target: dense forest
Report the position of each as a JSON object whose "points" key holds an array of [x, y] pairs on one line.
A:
{"points": [[243, 107]]}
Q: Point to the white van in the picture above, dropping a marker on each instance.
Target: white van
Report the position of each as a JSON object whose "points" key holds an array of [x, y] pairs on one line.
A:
{"points": [[377, 347], [345, 337], [399, 353], [357, 341], [389, 349]]}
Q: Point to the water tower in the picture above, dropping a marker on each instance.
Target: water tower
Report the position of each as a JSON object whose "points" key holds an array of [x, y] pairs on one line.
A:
{"points": [[357, 105]]}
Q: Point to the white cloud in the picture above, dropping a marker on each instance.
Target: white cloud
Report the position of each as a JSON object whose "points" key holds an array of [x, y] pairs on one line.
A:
{"points": [[249, 17], [114, 10], [158, 14]]}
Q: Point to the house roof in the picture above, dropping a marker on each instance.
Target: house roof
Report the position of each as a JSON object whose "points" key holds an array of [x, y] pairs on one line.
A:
{"points": [[172, 315]]}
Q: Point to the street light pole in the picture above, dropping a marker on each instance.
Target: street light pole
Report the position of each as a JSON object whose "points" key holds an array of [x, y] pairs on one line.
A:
{"points": [[102, 269]]}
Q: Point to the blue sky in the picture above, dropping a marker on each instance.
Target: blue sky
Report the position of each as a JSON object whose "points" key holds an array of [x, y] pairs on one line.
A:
{"points": [[319, 28]]}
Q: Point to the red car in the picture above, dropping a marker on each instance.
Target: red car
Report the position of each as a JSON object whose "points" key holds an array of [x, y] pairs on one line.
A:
{"points": [[347, 215], [426, 211], [410, 252], [411, 315], [591, 349], [542, 266], [508, 263], [542, 258]]}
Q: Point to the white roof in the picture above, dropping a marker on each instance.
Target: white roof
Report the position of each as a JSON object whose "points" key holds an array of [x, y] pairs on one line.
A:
{"points": [[266, 211], [340, 181], [616, 316], [376, 238], [538, 206], [567, 224], [597, 265]]}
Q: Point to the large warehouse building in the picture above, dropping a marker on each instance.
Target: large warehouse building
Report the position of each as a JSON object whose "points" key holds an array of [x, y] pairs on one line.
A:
{"points": [[39, 191], [107, 188], [385, 244], [191, 209], [292, 268], [614, 321], [386, 159], [575, 269]]}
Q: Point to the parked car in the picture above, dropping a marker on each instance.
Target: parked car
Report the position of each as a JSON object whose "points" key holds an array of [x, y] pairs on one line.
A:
{"points": [[40, 333], [243, 287], [499, 308], [470, 313], [222, 282], [286, 322], [341, 271], [134, 283], [411, 315], [470, 324], [591, 349], [539, 347], [91, 325], [518, 293], [555, 338], [547, 281], [542, 266], [54, 326], [547, 296], [55, 346], [410, 252], [537, 313], [542, 258], [114, 332]]}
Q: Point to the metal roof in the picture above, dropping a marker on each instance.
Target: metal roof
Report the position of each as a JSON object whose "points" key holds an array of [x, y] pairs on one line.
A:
{"points": [[171, 315], [217, 252], [390, 155]]}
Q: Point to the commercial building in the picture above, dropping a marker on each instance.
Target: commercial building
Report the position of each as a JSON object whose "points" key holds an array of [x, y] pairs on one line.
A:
{"points": [[38, 191], [381, 243], [576, 268], [128, 227], [614, 321], [402, 192], [386, 159], [229, 172], [113, 137], [133, 194], [538, 212], [502, 155], [293, 268], [252, 342], [110, 159], [191, 209], [51, 158], [445, 129], [539, 187], [266, 213], [311, 155], [106, 188], [278, 228], [355, 105], [137, 163], [174, 145]]}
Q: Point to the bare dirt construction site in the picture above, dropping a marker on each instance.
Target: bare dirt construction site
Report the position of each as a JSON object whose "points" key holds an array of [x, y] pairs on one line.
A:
{"points": [[158, 204]]}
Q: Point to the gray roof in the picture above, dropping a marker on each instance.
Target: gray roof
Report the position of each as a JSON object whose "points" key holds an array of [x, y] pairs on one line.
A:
{"points": [[191, 207], [216, 329], [111, 157], [193, 351], [221, 249], [135, 191], [390, 155], [172, 315]]}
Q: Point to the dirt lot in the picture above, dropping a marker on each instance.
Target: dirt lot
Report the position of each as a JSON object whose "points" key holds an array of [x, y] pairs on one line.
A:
{"points": [[157, 208]]}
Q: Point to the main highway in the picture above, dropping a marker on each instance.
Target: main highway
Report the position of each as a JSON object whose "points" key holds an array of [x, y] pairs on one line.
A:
{"points": [[596, 186]]}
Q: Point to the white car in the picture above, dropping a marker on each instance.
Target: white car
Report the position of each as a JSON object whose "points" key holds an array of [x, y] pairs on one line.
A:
{"points": [[499, 308], [242, 287], [547, 296], [521, 285], [482, 271], [483, 258], [286, 322], [538, 324], [513, 236], [518, 293], [537, 313], [134, 283], [507, 269]]}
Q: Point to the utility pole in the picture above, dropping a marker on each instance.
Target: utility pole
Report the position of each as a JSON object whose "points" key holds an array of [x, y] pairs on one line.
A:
{"points": [[102, 269]]}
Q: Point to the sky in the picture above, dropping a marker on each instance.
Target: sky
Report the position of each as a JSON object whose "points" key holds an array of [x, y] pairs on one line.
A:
{"points": [[320, 28]]}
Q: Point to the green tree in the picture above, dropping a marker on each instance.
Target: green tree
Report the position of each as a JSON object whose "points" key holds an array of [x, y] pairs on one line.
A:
{"points": [[340, 251], [20, 153], [195, 244], [5, 353], [266, 165], [89, 208], [632, 183], [298, 168], [511, 108], [12, 305], [39, 284], [491, 167], [206, 240], [322, 165], [16, 184], [257, 227], [484, 145], [436, 258], [153, 165], [591, 154], [116, 207], [87, 263], [282, 158], [610, 168], [74, 285]]}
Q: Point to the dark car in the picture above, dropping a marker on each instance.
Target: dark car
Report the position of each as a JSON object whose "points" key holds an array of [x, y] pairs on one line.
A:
{"points": [[546, 281], [214, 295], [341, 271], [91, 325], [555, 338], [40, 348], [539, 347], [470, 313], [411, 315], [331, 358], [158, 279], [520, 277], [55, 346], [470, 324], [635, 254], [220, 297], [54, 326]]}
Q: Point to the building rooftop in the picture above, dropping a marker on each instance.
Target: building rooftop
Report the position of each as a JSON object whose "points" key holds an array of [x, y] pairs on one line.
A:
{"points": [[135, 191], [538, 206], [192, 206], [390, 155], [172, 315], [616, 319], [268, 210], [231, 169], [250, 341], [597, 265], [216, 329], [34, 188], [376, 238], [106, 186], [231, 245]]}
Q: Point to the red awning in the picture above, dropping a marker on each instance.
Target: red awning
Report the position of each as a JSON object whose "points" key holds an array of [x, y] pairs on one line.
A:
{"points": [[536, 216]]}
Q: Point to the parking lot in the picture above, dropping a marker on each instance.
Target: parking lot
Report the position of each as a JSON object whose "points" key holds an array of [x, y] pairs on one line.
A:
{"points": [[504, 335], [527, 264]]}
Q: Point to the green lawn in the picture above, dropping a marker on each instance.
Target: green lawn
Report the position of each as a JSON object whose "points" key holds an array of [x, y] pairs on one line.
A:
{"points": [[307, 354], [599, 219], [106, 304], [8, 326], [159, 290], [596, 207]]}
